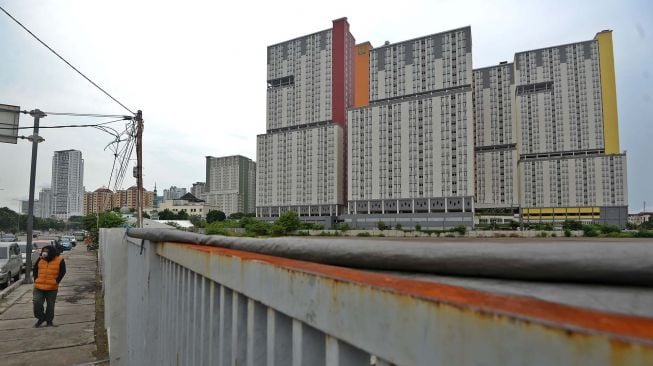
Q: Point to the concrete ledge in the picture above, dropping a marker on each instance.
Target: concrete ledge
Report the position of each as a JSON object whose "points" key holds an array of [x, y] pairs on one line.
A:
{"points": [[11, 288]]}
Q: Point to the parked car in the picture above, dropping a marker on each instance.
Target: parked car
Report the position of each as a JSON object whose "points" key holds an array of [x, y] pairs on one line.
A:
{"points": [[23, 253], [10, 263], [7, 238]]}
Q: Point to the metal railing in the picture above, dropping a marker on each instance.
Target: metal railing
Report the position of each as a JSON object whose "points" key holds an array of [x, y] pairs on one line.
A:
{"points": [[187, 304]]}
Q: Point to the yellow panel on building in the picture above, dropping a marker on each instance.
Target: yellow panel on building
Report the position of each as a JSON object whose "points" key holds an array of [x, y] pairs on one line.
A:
{"points": [[608, 92]]}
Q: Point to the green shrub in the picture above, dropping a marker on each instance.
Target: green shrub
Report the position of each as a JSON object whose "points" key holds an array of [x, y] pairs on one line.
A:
{"points": [[381, 225], [590, 230], [572, 225], [398, 226], [258, 227], [567, 233], [418, 227], [365, 234], [641, 233], [460, 229], [606, 229], [343, 226]]}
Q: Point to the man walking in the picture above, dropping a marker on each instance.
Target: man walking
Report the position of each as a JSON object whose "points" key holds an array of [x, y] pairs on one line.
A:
{"points": [[49, 269]]}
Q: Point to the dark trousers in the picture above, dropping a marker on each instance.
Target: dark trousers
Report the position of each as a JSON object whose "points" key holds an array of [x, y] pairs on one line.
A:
{"points": [[39, 298]]}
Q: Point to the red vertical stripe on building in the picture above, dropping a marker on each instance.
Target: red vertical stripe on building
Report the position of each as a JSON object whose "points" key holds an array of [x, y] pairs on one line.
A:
{"points": [[338, 70]]}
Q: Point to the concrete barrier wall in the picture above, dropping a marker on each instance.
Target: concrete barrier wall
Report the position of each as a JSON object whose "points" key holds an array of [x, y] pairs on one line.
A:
{"points": [[184, 304]]}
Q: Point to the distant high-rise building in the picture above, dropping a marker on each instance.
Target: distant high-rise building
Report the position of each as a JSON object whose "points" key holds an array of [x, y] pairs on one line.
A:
{"points": [[230, 184], [67, 183], [173, 193], [45, 206], [198, 189], [24, 207]]}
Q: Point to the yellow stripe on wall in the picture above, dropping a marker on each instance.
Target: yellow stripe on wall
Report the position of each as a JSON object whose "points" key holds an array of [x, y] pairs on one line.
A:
{"points": [[608, 92]]}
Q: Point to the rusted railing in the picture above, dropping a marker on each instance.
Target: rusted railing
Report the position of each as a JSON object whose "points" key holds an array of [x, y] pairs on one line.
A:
{"points": [[186, 304]]}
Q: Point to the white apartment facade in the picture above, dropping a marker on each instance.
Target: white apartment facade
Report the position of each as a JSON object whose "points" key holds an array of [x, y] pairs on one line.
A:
{"points": [[301, 157], [67, 184], [230, 184], [570, 165], [411, 150], [495, 145]]}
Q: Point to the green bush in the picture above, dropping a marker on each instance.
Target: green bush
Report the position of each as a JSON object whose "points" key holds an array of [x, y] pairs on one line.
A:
{"points": [[398, 226], [381, 226], [343, 226], [215, 215], [364, 234], [606, 229], [567, 233], [286, 223], [460, 229], [418, 227], [572, 225], [258, 227], [641, 233], [590, 230]]}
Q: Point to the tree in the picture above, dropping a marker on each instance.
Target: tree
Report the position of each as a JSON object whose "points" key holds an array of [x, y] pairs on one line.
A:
{"points": [[398, 226], [236, 216], [381, 225], [215, 215], [8, 220], [105, 220], [146, 215], [258, 227], [167, 215], [197, 221], [182, 215], [287, 223]]}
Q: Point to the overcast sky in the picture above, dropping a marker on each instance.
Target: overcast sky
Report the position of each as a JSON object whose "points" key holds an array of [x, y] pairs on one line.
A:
{"points": [[197, 69]]}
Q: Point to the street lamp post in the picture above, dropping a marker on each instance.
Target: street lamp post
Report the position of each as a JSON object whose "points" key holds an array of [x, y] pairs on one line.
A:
{"points": [[35, 138]]}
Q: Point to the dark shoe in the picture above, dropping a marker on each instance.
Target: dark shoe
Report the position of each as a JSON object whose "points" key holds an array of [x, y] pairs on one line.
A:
{"points": [[49, 324], [38, 323]]}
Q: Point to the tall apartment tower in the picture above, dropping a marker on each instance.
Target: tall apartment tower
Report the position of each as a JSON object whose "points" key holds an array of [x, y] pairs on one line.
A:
{"points": [[301, 157], [495, 130], [411, 145], [570, 164], [198, 189], [230, 184], [45, 198], [67, 183]]}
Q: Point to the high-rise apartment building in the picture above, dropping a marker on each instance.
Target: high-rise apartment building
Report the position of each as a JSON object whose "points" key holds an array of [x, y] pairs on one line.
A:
{"points": [[230, 184], [411, 147], [570, 164], [301, 157], [427, 139], [495, 145], [173, 193], [198, 189], [67, 183], [45, 203]]}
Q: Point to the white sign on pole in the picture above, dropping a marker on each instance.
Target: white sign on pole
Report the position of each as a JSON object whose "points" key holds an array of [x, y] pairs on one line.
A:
{"points": [[9, 123]]}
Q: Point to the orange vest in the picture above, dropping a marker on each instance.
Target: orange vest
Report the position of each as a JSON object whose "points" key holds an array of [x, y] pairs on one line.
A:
{"points": [[48, 273]]}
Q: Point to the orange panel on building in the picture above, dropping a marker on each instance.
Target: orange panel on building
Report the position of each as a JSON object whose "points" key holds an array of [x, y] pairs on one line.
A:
{"points": [[362, 74]]}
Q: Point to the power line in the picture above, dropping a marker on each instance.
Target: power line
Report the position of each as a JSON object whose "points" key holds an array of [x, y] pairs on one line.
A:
{"points": [[64, 60], [64, 126]]}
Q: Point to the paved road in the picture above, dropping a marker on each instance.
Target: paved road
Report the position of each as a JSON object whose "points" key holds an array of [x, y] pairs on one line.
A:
{"points": [[72, 340]]}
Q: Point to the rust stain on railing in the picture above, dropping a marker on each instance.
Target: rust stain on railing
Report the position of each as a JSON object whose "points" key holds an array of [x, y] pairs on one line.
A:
{"points": [[578, 323]]}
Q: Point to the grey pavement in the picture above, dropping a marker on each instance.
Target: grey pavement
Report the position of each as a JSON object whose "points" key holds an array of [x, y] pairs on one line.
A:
{"points": [[72, 340]]}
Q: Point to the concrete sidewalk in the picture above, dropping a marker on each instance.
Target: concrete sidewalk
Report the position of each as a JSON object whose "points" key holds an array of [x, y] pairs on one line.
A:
{"points": [[72, 340]]}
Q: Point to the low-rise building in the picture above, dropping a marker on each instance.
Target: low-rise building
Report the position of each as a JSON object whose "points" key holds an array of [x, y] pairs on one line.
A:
{"points": [[189, 203], [640, 218]]}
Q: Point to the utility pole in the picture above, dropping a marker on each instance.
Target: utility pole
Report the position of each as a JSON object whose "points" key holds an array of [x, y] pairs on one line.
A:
{"points": [[35, 138], [139, 167]]}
